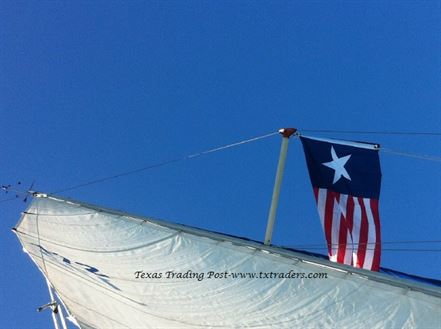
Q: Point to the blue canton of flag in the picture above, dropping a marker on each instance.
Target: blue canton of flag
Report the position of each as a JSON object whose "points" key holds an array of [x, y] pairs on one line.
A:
{"points": [[346, 178]]}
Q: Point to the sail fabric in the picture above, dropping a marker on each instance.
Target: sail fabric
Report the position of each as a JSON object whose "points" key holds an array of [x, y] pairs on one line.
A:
{"points": [[114, 270], [346, 179]]}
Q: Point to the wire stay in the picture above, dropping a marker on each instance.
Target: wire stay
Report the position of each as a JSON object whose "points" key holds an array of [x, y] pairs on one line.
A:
{"points": [[164, 163], [412, 155]]}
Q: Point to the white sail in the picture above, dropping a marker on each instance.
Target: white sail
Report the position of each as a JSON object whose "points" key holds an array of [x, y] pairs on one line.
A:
{"points": [[113, 270]]}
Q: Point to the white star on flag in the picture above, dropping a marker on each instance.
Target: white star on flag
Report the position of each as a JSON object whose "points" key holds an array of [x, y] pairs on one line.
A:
{"points": [[338, 164]]}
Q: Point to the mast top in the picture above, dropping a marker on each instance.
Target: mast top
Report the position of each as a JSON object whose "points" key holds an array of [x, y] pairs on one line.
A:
{"points": [[287, 132]]}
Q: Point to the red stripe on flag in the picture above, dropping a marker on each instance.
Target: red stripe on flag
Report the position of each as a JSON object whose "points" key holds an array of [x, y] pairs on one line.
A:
{"points": [[329, 210], [342, 234], [350, 223], [377, 252], [364, 227], [350, 214]]}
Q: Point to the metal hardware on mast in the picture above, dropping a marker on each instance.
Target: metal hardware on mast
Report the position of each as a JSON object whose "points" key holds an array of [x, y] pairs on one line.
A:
{"points": [[286, 134]]}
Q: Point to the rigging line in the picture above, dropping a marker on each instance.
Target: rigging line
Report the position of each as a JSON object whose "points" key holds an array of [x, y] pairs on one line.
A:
{"points": [[232, 145], [365, 243], [373, 132], [164, 163], [388, 150], [412, 155], [387, 249]]}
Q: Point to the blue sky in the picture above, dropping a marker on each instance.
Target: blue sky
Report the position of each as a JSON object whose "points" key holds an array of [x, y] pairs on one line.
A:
{"points": [[93, 88]]}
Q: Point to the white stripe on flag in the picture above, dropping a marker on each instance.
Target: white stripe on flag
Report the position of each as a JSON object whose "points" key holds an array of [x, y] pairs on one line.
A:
{"points": [[321, 203], [348, 252], [343, 203], [335, 229], [356, 230], [370, 248]]}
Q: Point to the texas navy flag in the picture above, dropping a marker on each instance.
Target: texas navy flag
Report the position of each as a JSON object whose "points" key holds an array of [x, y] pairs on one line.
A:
{"points": [[346, 179]]}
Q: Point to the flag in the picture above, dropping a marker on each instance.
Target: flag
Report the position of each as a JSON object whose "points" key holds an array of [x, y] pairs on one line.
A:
{"points": [[346, 178]]}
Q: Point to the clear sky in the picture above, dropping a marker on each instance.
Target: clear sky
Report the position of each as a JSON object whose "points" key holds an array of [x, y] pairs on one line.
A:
{"points": [[93, 88]]}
